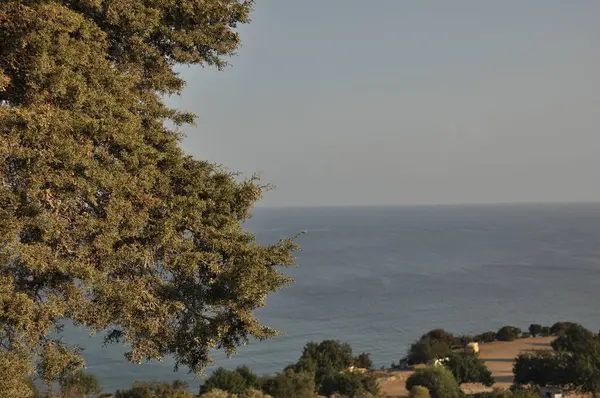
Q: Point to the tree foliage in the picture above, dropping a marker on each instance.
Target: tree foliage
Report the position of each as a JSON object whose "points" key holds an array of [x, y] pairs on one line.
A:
{"points": [[419, 392], [559, 328], [437, 379], [508, 333], [434, 344], [325, 359], [79, 384], [542, 368], [535, 329], [363, 360], [467, 367], [576, 366], [104, 220], [574, 338], [235, 381], [486, 337], [291, 384], [177, 389], [329, 361]]}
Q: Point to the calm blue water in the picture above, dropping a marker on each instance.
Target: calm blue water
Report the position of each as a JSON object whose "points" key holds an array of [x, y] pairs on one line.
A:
{"points": [[380, 277]]}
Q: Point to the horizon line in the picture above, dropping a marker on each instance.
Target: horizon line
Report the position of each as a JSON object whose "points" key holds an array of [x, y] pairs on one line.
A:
{"points": [[449, 204]]}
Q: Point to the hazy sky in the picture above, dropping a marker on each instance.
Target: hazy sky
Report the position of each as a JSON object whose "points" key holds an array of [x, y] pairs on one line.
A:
{"points": [[345, 102]]}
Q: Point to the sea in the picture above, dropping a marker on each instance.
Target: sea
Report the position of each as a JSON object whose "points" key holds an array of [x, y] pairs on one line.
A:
{"points": [[379, 277]]}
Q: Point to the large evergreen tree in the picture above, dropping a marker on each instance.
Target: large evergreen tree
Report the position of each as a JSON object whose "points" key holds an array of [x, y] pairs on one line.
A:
{"points": [[104, 220]]}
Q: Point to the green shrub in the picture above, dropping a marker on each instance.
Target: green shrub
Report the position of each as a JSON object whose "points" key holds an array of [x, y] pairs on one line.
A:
{"points": [[233, 381], [324, 358], [575, 338], [467, 367], [216, 393], [291, 384], [177, 389], [508, 333], [559, 328], [546, 331], [535, 329], [363, 360], [437, 379], [79, 384], [434, 344], [419, 392], [486, 337], [349, 384]]}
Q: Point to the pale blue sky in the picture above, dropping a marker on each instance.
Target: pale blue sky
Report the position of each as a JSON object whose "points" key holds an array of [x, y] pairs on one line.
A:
{"points": [[346, 102]]}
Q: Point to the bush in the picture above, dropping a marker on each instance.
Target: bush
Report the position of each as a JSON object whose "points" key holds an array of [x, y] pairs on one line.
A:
{"points": [[324, 358], [233, 381], [438, 380], [349, 384], [535, 329], [79, 383], [426, 350], [559, 328], [363, 361], [464, 340], [486, 337], [545, 331], [216, 393], [419, 392], [575, 338], [467, 367], [177, 389], [508, 333], [542, 368], [434, 344], [291, 384]]}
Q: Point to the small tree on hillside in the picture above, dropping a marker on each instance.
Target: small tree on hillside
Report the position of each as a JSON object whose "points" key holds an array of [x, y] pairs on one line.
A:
{"points": [[291, 384], [363, 360], [545, 331], [486, 337], [233, 381], [177, 389], [535, 329], [508, 333], [575, 338], [467, 367], [438, 380], [435, 344], [324, 359], [350, 384], [79, 384], [559, 328]]}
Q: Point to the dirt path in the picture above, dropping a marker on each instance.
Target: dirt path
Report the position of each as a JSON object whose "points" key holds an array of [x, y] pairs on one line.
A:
{"points": [[498, 356]]}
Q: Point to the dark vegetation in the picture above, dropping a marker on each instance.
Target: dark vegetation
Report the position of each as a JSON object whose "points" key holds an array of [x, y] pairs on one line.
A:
{"points": [[105, 222], [574, 364], [330, 368]]}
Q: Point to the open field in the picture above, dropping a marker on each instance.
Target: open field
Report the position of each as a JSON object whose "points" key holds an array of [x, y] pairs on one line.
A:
{"points": [[498, 356]]}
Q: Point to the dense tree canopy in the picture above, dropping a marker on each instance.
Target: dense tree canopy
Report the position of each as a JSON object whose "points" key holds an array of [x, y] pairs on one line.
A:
{"points": [[508, 333], [235, 381], [467, 367], [574, 365], [329, 362], [291, 384], [103, 219], [437, 379], [435, 344]]}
